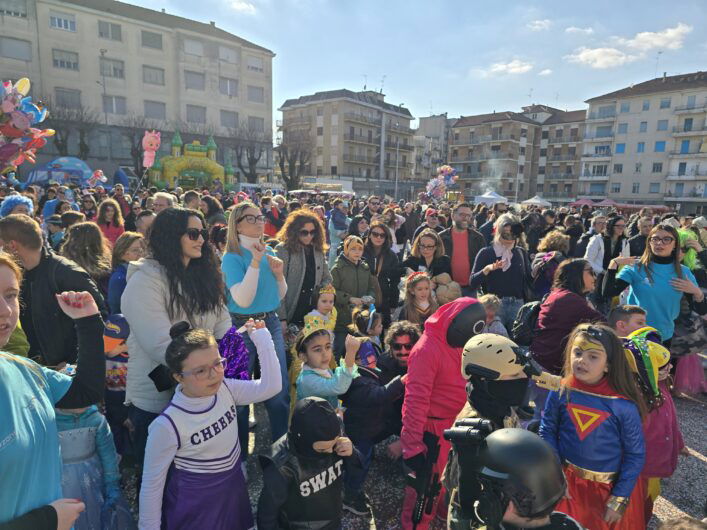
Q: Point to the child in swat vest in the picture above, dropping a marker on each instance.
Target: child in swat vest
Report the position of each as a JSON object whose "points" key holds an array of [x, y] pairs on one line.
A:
{"points": [[303, 479]]}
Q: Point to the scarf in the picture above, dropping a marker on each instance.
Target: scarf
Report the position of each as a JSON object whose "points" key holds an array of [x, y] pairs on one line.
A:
{"points": [[506, 254], [248, 242]]}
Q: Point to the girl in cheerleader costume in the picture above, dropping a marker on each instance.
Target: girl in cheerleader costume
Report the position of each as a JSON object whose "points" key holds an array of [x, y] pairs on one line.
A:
{"points": [[594, 425], [419, 301]]}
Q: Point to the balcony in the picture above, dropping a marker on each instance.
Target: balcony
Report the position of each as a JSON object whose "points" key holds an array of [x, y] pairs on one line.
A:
{"points": [[690, 109], [360, 138], [295, 121], [395, 145], [688, 175], [361, 118], [690, 154], [401, 129], [556, 195], [476, 140], [593, 195], [561, 158], [691, 195], [486, 175], [400, 165], [601, 116], [692, 131], [559, 176], [564, 140], [359, 159], [598, 137], [596, 157], [587, 177]]}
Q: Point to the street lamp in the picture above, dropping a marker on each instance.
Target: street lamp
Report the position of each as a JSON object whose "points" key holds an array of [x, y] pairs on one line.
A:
{"points": [[103, 52], [397, 155]]}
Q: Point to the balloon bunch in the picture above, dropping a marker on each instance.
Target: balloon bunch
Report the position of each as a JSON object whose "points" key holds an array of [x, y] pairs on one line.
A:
{"points": [[448, 174], [437, 186], [19, 139], [97, 177]]}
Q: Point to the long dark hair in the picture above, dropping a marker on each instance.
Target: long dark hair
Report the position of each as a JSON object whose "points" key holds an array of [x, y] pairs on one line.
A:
{"points": [[610, 224], [197, 288], [570, 275], [386, 244], [289, 233], [353, 226], [647, 257], [213, 205], [117, 214]]}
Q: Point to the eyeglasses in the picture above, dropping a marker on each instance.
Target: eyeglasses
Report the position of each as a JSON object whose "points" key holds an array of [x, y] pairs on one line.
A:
{"points": [[664, 240], [398, 347], [252, 219], [194, 233], [306, 233], [205, 371], [428, 247], [619, 226], [378, 234]]}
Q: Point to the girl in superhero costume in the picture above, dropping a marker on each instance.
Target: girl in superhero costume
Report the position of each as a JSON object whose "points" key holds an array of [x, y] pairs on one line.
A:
{"points": [[594, 424]]}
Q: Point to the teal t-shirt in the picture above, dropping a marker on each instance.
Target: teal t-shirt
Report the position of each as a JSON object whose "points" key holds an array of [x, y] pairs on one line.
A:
{"points": [[267, 297], [660, 299], [30, 459]]}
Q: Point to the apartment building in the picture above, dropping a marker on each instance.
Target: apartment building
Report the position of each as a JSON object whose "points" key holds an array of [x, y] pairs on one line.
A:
{"points": [[430, 143], [647, 144], [518, 155], [355, 136], [124, 61]]}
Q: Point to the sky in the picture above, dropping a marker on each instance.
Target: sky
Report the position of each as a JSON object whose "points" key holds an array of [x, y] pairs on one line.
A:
{"points": [[463, 57]]}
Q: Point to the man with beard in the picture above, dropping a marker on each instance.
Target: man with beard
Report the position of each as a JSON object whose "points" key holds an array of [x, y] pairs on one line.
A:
{"points": [[462, 243], [434, 395], [372, 209]]}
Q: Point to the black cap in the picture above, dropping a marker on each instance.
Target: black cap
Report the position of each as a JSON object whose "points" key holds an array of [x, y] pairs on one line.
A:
{"points": [[313, 420], [468, 322]]}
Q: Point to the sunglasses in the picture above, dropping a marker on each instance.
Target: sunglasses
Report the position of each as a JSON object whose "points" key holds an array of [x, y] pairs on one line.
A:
{"points": [[252, 219], [305, 233], [194, 233], [398, 347], [428, 247], [378, 234]]}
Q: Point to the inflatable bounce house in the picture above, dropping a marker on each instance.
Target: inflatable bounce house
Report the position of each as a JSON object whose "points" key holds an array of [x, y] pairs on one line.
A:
{"points": [[192, 165]]}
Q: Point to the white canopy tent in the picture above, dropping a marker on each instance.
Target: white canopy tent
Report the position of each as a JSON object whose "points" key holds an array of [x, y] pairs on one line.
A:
{"points": [[537, 201], [490, 197]]}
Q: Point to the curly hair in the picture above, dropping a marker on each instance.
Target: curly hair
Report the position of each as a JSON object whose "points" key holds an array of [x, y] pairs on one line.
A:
{"points": [[117, 216], [197, 288], [86, 245], [12, 201], [555, 240], [213, 205], [400, 328], [289, 233], [122, 244]]}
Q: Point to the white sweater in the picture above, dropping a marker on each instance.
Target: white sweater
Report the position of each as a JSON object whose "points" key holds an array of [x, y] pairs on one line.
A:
{"points": [[201, 434], [144, 304], [595, 252]]}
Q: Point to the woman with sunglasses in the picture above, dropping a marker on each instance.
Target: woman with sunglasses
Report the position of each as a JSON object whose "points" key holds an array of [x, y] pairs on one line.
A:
{"points": [[384, 265], [89, 207], [131, 218], [302, 249], [255, 287], [657, 281], [180, 280]]}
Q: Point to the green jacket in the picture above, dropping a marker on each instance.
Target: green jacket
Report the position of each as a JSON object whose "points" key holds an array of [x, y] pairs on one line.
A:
{"points": [[350, 280], [17, 343]]}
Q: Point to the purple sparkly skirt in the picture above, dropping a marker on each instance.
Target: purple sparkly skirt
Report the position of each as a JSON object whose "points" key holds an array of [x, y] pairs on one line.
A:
{"points": [[217, 501]]}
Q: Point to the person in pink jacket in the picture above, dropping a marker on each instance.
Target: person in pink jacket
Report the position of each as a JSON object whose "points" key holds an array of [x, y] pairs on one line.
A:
{"points": [[436, 392]]}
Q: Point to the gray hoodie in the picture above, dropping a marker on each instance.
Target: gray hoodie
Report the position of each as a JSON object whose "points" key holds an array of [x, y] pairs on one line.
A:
{"points": [[144, 304]]}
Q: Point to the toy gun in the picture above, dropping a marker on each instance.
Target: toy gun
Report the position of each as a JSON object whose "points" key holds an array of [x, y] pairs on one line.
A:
{"points": [[542, 378], [426, 482]]}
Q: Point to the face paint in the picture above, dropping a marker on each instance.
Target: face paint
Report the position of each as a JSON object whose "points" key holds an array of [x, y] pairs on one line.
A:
{"points": [[585, 344], [589, 361]]}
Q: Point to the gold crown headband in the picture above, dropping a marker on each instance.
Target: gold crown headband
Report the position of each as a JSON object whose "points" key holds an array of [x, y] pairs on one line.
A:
{"points": [[329, 289], [312, 325]]}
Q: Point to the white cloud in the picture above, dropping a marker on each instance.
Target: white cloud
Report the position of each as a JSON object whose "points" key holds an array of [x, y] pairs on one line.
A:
{"points": [[514, 67], [669, 38], [600, 58], [583, 31], [547, 71], [539, 25], [244, 7]]}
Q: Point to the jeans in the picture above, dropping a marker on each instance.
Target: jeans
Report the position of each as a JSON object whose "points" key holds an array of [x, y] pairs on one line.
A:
{"points": [[354, 479], [509, 310], [278, 406], [140, 420]]}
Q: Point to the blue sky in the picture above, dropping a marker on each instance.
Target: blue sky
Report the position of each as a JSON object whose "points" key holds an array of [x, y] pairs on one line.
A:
{"points": [[464, 57]]}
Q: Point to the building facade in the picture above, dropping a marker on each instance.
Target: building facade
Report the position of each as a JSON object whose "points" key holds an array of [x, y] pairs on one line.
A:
{"points": [[647, 144], [355, 136], [430, 143], [128, 64]]}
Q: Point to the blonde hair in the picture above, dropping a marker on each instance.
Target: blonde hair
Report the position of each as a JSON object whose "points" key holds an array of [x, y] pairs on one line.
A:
{"points": [[427, 232], [122, 244], [504, 220], [232, 243], [491, 301], [555, 240]]}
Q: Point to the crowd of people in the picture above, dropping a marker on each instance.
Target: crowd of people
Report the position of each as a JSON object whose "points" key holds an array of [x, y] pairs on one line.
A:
{"points": [[138, 330]]}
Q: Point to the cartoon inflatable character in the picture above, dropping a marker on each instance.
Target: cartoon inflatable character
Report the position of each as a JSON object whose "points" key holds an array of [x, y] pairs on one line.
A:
{"points": [[150, 144]]}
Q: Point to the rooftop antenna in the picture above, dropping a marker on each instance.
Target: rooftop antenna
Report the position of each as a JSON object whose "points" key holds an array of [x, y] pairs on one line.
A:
{"points": [[365, 81], [557, 97], [382, 83], [657, 60], [431, 113], [530, 95]]}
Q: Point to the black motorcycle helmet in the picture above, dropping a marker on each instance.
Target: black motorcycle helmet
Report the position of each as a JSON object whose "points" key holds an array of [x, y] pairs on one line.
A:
{"points": [[518, 466], [468, 322]]}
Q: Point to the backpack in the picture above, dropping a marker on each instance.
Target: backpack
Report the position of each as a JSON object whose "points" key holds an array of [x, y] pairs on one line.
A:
{"points": [[525, 323]]}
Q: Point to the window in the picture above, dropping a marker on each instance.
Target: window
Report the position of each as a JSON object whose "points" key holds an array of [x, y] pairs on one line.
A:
{"points": [[568, 188], [662, 125], [112, 68], [622, 129], [620, 148], [320, 132], [155, 110], [625, 107], [524, 133], [65, 60], [108, 30], [682, 169], [664, 103], [67, 98], [638, 168], [641, 147], [228, 55], [256, 124], [643, 127], [320, 111], [654, 187], [660, 147], [600, 171], [545, 135], [540, 186], [657, 167], [618, 169], [543, 152], [333, 170], [646, 104], [114, 105], [14, 8], [194, 80], [229, 119], [15, 49], [597, 188], [522, 151], [151, 40], [196, 114], [152, 75], [256, 94], [558, 133], [194, 47], [615, 187], [63, 21], [255, 64], [636, 188], [228, 86], [541, 170]]}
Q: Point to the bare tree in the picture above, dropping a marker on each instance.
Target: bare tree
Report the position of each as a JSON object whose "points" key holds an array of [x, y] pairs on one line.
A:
{"points": [[294, 153], [134, 127], [69, 120], [249, 146]]}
